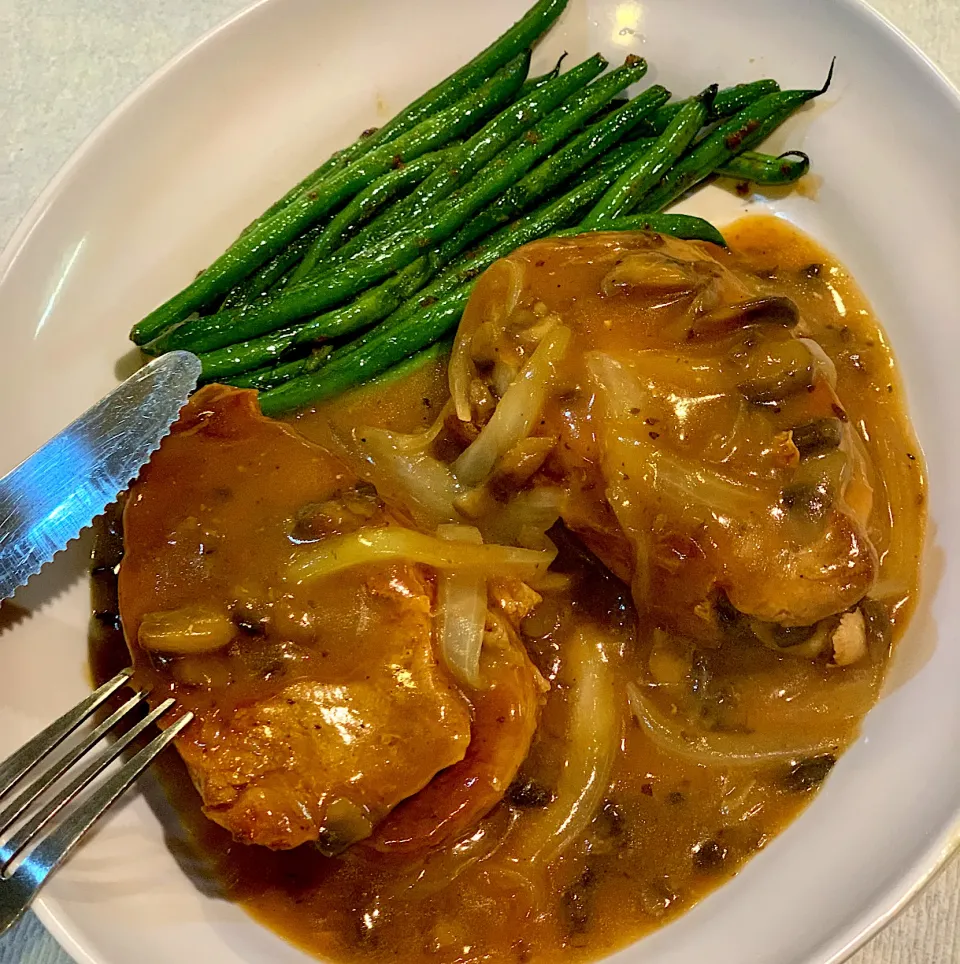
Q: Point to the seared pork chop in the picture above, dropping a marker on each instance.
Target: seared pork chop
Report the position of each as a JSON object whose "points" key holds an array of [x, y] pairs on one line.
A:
{"points": [[705, 455], [319, 707]]}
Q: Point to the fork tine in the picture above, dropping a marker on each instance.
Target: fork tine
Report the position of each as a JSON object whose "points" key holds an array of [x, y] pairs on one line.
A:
{"points": [[60, 766], [16, 844], [56, 847], [29, 755]]}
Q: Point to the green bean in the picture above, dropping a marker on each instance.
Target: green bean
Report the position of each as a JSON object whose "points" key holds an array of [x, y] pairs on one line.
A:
{"points": [[270, 376], [464, 272], [535, 83], [379, 355], [613, 160], [409, 365], [729, 101], [241, 357], [765, 169], [378, 302], [274, 375], [481, 149], [556, 170], [259, 283], [394, 341], [559, 167], [367, 268], [546, 220], [638, 179], [378, 194], [374, 304], [338, 160], [614, 105], [259, 245], [521, 36], [550, 133], [683, 226], [231, 327], [370, 307], [744, 130]]}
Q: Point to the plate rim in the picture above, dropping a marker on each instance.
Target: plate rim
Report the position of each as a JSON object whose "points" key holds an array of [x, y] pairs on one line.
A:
{"points": [[943, 845]]}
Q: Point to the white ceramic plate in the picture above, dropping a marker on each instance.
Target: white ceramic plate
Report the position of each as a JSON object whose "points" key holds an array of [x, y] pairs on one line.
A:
{"points": [[172, 177]]}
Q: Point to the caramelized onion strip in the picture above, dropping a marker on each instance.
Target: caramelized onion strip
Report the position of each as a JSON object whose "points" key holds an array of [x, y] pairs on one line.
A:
{"points": [[404, 470], [525, 518], [517, 411], [593, 738], [394, 543], [461, 611], [686, 740], [502, 285]]}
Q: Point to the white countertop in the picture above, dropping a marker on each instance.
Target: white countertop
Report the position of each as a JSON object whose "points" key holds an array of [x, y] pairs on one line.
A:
{"points": [[64, 64]]}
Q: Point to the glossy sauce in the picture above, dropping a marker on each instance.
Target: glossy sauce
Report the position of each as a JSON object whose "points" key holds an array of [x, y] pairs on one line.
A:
{"points": [[666, 830]]}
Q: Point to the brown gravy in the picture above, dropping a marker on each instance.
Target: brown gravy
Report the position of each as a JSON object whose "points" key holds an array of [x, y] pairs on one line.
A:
{"points": [[668, 830]]}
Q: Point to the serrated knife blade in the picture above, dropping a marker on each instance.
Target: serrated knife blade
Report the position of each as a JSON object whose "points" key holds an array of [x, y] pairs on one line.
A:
{"points": [[47, 500]]}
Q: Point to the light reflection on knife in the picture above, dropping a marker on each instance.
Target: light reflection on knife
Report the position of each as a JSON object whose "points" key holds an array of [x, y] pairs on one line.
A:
{"points": [[48, 499]]}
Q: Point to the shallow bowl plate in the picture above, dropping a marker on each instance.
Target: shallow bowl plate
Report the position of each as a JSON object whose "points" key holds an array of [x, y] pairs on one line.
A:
{"points": [[172, 177]]}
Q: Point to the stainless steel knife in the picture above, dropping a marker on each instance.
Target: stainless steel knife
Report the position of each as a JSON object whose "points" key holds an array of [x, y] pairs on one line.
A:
{"points": [[48, 499]]}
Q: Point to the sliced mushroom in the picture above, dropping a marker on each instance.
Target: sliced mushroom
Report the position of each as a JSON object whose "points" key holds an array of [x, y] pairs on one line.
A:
{"points": [[819, 481], [808, 774], [807, 642], [659, 275], [191, 629], [809, 501], [774, 311], [482, 402], [345, 824], [344, 513], [484, 344], [816, 437], [775, 370]]}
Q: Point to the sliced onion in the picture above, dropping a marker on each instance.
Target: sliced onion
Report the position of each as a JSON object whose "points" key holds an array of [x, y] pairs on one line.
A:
{"points": [[397, 544], [524, 519], [593, 738], [695, 490], [493, 302], [438, 870], [684, 739], [822, 361], [502, 378], [461, 611], [620, 389], [691, 486], [903, 516], [860, 477], [404, 471], [517, 411]]}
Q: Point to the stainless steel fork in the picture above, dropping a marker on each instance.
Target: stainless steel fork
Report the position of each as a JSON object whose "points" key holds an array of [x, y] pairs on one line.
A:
{"points": [[44, 814]]}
